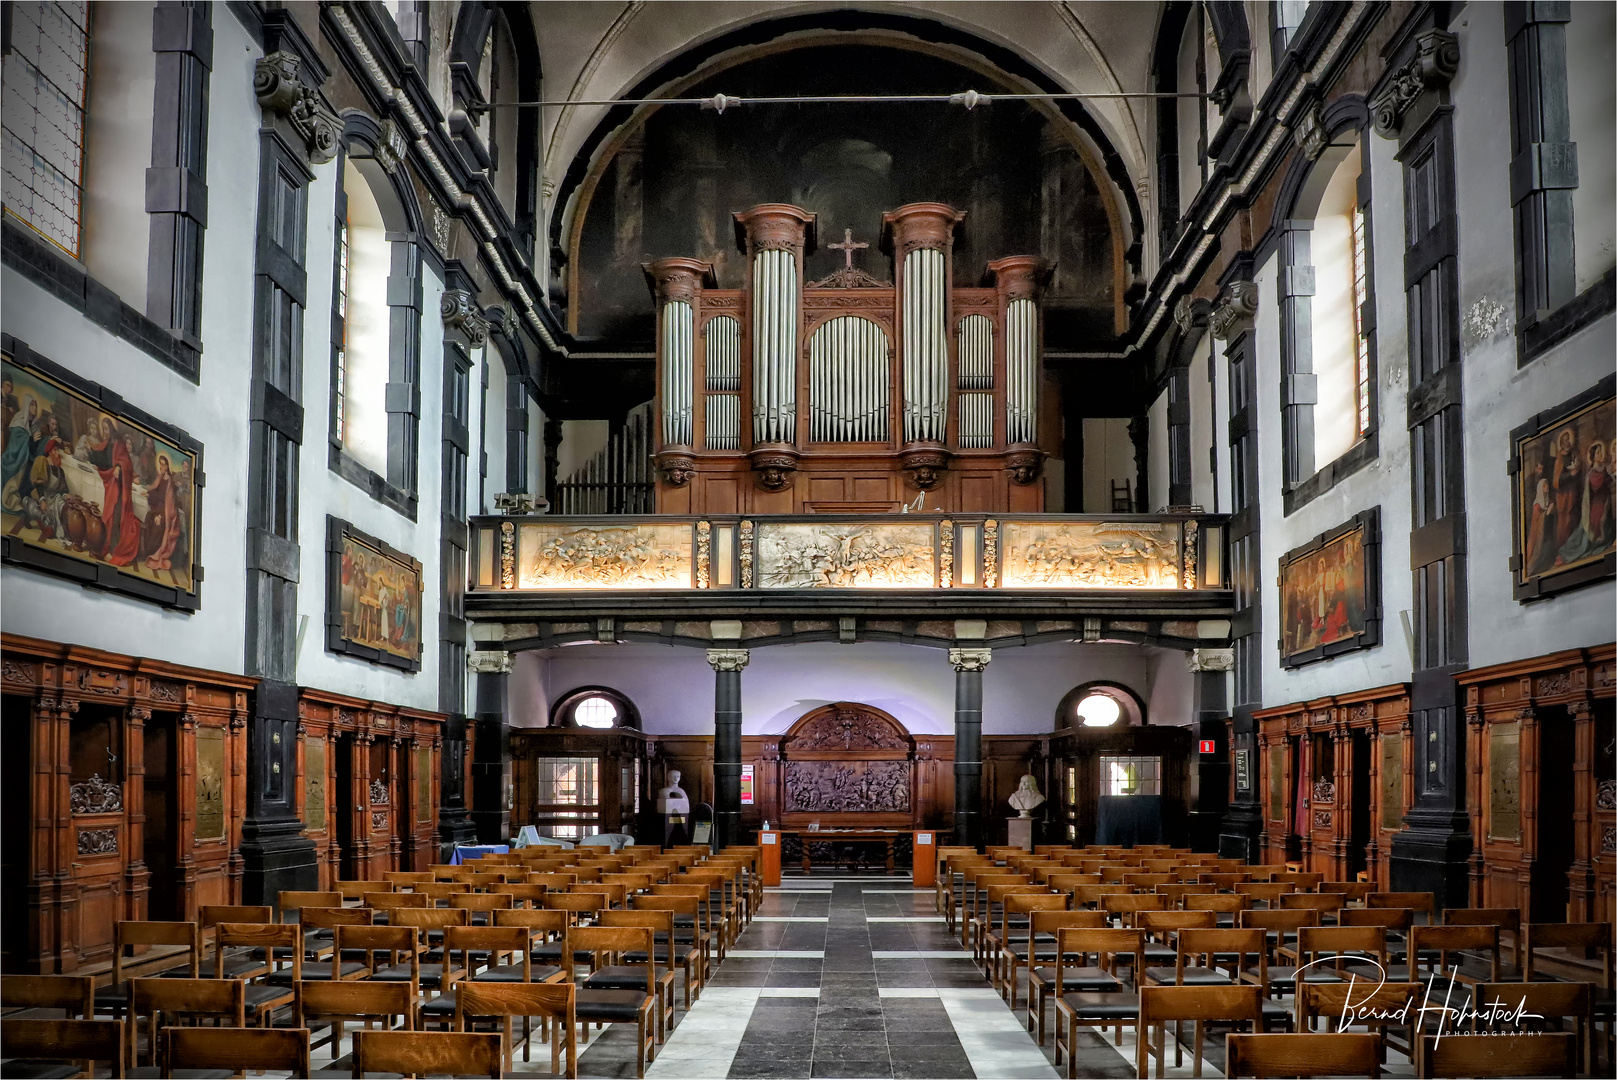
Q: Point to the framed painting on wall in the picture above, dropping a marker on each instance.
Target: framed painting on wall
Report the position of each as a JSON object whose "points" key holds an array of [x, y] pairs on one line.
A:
{"points": [[93, 489], [1561, 498], [373, 598], [1330, 592]]}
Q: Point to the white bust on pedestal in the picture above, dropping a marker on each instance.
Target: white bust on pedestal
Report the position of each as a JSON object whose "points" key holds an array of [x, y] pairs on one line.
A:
{"points": [[672, 800], [1026, 797]]}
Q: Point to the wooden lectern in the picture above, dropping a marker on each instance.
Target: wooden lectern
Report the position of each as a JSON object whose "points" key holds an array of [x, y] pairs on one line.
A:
{"points": [[925, 874], [769, 844]]}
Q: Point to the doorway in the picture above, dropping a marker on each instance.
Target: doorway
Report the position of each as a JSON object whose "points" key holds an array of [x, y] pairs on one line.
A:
{"points": [[161, 797], [1555, 832], [344, 803], [1359, 822]]}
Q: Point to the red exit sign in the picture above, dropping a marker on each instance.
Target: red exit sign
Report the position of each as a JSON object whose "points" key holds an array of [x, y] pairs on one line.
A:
{"points": [[1208, 746]]}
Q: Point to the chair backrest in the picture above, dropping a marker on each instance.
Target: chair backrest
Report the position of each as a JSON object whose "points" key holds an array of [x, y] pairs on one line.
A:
{"points": [[354, 890], [556, 1001], [1230, 902], [211, 915], [1201, 947], [1101, 941], [575, 904], [1536, 1054], [553, 880], [1149, 881], [1164, 922], [1390, 918], [1317, 943], [658, 921], [1550, 1000], [489, 901], [1229, 1003], [291, 900], [1596, 936], [1224, 881], [1054, 921], [432, 918], [543, 920], [1449, 939], [1279, 922], [1366, 1002], [1355, 891], [396, 941], [1423, 903], [66, 1040], [420, 1053], [1308, 1053], [1305, 881], [1317, 901], [490, 939], [266, 936], [329, 918], [396, 901], [440, 892], [1095, 895], [1128, 905], [130, 932], [1269, 892], [215, 999], [406, 877], [236, 1049], [355, 999], [614, 941], [73, 994]]}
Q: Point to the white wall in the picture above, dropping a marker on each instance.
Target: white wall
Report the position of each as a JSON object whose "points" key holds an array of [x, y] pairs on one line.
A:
{"points": [[493, 426], [212, 413], [672, 686], [1202, 479], [1156, 462], [1498, 395], [1108, 456]]}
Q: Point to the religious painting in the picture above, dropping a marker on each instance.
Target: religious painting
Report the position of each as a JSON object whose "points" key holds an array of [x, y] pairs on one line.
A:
{"points": [[605, 557], [1330, 593], [1392, 780], [1091, 555], [314, 784], [211, 776], [846, 556], [1562, 495], [373, 599], [1505, 781], [93, 489]]}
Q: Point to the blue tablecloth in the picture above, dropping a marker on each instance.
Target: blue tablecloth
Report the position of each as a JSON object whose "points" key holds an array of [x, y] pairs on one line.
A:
{"points": [[473, 851]]}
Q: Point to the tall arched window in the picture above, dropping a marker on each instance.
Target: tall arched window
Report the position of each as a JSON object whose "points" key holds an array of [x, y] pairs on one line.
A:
{"points": [[1327, 313], [359, 412]]}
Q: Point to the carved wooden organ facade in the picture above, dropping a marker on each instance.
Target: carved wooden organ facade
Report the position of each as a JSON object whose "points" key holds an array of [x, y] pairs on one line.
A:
{"points": [[849, 393]]}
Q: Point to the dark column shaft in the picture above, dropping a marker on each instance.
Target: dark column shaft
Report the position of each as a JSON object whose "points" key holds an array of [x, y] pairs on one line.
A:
{"points": [[491, 750], [968, 743], [727, 665]]}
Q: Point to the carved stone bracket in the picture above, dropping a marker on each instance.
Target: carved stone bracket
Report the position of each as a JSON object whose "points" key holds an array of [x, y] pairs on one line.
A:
{"points": [[1436, 59], [728, 659], [488, 662], [460, 314], [281, 93], [1236, 306], [970, 659], [1309, 131], [924, 466], [1210, 659]]}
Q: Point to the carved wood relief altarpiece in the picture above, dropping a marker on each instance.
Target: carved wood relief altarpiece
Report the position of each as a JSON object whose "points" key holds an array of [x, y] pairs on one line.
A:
{"points": [[847, 764]]}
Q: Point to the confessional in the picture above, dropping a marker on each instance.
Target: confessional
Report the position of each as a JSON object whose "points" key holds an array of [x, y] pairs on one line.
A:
{"points": [[571, 782]]}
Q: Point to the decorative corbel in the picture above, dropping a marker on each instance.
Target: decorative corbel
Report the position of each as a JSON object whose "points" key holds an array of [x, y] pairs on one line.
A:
{"points": [[463, 318], [1436, 59], [1309, 132], [1236, 307], [282, 94]]}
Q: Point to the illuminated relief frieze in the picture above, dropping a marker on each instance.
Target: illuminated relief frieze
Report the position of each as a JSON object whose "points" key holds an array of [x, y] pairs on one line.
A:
{"points": [[605, 557], [846, 556], [1104, 555]]}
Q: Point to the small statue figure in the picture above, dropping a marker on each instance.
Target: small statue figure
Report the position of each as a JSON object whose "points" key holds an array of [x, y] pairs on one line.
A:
{"points": [[1026, 796], [672, 800]]}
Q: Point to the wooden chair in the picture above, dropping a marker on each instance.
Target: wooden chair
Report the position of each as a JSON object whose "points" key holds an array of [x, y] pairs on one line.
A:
{"points": [[1422, 903], [1444, 943], [1396, 921], [1280, 926], [1127, 906], [705, 935], [1325, 905], [1266, 892], [327, 920], [82, 1042], [688, 942], [72, 995], [555, 1003], [1355, 891], [434, 974], [236, 1049], [338, 1002], [1231, 904], [1343, 1054], [1525, 1003], [1198, 1004], [1224, 882], [1553, 1054], [385, 904], [423, 1053], [661, 924], [356, 890], [406, 878], [616, 1005], [398, 948], [1509, 921], [1363, 1004], [1044, 930], [990, 939], [243, 965], [1201, 951], [127, 934], [1103, 1004], [180, 1000], [1305, 881], [1330, 954], [480, 904], [291, 901], [275, 939]]}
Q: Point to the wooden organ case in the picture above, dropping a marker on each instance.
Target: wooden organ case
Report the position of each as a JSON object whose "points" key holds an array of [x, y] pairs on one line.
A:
{"points": [[850, 394]]}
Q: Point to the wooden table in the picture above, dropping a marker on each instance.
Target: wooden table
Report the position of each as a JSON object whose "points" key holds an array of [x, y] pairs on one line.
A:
{"points": [[838, 836]]}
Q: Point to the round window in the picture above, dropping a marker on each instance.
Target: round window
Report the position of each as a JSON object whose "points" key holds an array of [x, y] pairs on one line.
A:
{"points": [[595, 712], [1099, 710]]}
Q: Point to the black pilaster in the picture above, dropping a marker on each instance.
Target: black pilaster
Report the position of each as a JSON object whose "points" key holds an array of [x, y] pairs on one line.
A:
{"points": [[968, 743], [1209, 667], [275, 853], [727, 665], [492, 751]]}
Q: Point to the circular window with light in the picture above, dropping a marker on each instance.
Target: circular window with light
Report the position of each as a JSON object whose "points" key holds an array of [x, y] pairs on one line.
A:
{"points": [[1099, 710], [595, 712]]}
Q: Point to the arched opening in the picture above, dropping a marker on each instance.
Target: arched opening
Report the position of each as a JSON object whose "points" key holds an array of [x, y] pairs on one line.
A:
{"points": [[1341, 347], [1095, 705], [596, 707], [359, 409]]}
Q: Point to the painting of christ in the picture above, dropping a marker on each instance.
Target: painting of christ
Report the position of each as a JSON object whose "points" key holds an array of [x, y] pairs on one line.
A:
{"points": [[86, 486], [1329, 594], [1562, 496], [376, 593]]}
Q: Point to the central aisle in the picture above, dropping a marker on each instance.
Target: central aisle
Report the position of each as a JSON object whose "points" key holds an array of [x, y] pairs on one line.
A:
{"points": [[843, 977]]}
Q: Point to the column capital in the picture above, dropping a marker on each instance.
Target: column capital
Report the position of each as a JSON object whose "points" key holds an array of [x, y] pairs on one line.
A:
{"points": [[728, 659], [970, 659], [488, 662], [1210, 659]]}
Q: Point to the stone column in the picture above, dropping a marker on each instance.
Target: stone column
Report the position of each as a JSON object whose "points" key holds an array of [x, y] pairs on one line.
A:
{"points": [[491, 745], [1210, 669], [727, 665], [968, 742]]}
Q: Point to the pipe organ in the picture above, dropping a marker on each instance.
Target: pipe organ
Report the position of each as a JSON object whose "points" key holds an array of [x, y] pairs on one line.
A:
{"points": [[849, 394]]}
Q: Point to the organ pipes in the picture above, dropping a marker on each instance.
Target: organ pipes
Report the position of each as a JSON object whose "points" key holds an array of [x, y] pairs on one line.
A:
{"points": [[926, 355], [848, 381], [774, 346], [679, 371], [1021, 372], [723, 383], [974, 350]]}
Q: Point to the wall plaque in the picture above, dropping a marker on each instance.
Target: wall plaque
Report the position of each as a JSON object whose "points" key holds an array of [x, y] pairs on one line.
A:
{"points": [[1392, 780], [211, 775], [314, 784], [94, 489], [1243, 770], [1504, 781], [373, 599]]}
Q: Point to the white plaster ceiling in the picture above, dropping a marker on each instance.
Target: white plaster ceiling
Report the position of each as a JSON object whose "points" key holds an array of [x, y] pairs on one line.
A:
{"points": [[598, 49]]}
